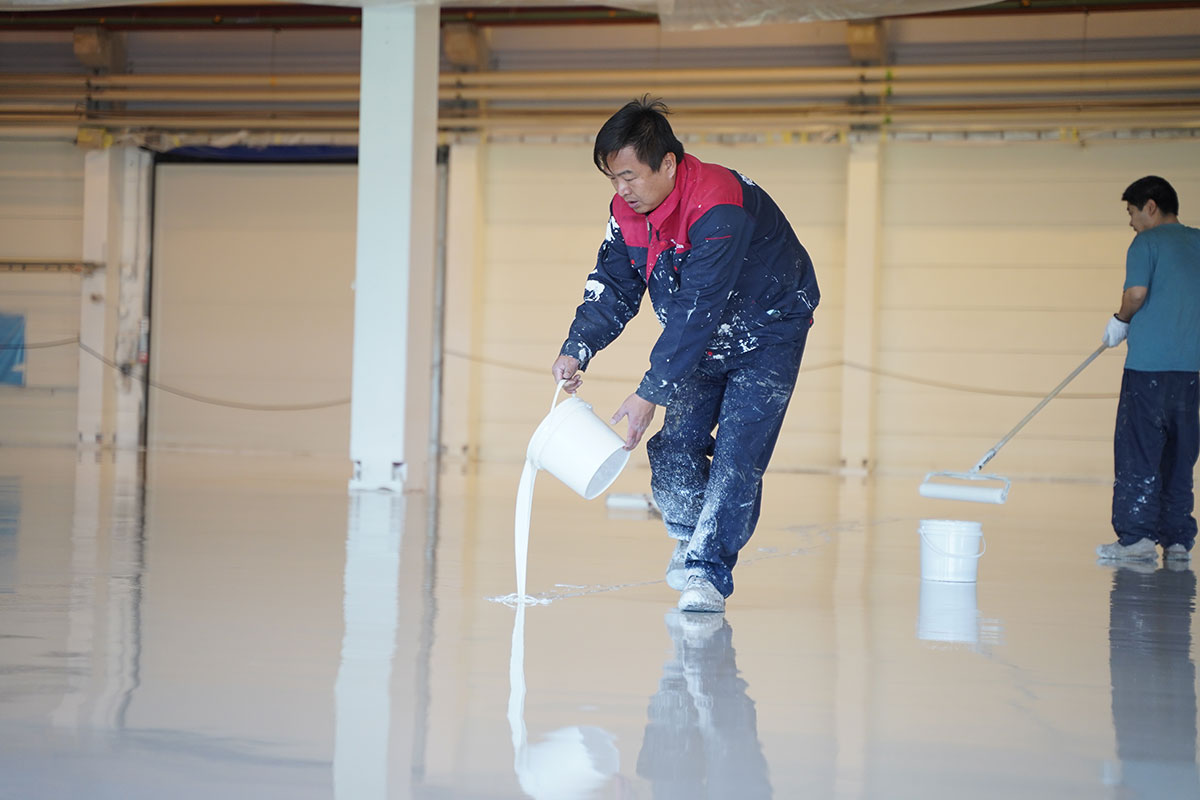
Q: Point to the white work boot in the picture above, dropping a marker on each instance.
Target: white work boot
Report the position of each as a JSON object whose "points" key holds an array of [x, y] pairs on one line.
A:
{"points": [[677, 567], [701, 595], [1176, 552], [1141, 550]]}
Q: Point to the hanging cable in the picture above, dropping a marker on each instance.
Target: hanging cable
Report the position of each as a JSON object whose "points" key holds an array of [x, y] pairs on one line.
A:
{"points": [[805, 369], [214, 401]]}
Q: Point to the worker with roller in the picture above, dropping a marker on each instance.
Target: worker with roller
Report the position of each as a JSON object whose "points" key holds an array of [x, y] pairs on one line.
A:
{"points": [[734, 291], [1158, 435], [1158, 415]]}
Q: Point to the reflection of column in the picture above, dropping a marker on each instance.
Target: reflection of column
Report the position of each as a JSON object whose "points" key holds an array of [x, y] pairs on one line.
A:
{"points": [[362, 693], [104, 629], [702, 735], [81, 600], [126, 558], [1154, 679], [851, 684], [10, 522], [576, 761]]}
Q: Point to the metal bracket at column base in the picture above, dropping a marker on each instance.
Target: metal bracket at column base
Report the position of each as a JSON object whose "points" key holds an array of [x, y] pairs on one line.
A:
{"points": [[379, 476]]}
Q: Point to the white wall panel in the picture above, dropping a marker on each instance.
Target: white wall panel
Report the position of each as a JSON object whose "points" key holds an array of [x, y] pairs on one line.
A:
{"points": [[252, 304], [41, 217]]}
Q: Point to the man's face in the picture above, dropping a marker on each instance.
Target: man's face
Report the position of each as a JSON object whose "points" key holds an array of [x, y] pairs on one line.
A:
{"points": [[1144, 218], [642, 188]]}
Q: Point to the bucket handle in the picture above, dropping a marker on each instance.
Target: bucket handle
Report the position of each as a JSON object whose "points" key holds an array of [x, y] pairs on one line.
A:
{"points": [[942, 552], [554, 400]]}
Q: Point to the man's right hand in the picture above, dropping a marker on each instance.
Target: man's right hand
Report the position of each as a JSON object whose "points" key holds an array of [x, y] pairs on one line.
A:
{"points": [[566, 368]]}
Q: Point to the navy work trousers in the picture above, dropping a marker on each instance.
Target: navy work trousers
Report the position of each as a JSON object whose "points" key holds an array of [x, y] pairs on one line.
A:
{"points": [[1154, 452], [708, 487]]}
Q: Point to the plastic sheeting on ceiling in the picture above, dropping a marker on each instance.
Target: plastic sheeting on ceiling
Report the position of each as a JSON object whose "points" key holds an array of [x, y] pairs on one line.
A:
{"points": [[672, 14]]}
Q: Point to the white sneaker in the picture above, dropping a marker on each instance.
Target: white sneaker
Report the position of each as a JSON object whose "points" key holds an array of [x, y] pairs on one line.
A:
{"points": [[701, 595], [1141, 550], [1176, 552], [677, 567]]}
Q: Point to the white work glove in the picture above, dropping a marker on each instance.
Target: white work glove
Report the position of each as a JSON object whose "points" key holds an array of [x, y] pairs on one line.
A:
{"points": [[1115, 332]]}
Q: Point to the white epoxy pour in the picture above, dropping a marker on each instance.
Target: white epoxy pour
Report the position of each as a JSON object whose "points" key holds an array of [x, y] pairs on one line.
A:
{"points": [[521, 540], [579, 449]]}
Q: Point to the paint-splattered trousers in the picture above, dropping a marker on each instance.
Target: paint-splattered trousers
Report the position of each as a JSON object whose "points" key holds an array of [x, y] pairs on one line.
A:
{"points": [[1154, 452], [708, 487]]}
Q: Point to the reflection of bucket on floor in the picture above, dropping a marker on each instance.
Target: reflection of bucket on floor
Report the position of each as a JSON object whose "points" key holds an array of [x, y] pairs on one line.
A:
{"points": [[949, 612], [950, 550], [578, 448]]}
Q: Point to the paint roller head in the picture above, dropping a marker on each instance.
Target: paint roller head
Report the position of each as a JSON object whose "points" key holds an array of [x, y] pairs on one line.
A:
{"points": [[972, 490]]}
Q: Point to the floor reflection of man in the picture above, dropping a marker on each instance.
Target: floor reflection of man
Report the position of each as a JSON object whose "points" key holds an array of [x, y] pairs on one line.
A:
{"points": [[1154, 679], [702, 735]]}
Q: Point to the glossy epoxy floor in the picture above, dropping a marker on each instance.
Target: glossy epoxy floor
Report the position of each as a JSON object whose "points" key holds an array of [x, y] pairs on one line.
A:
{"points": [[224, 627]]}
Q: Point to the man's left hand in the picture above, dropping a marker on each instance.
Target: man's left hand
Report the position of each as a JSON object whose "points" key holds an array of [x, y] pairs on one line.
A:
{"points": [[1115, 331], [640, 413]]}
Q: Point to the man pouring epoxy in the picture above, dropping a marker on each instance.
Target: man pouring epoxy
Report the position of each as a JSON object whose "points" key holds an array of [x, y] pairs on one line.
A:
{"points": [[734, 291], [1157, 435]]}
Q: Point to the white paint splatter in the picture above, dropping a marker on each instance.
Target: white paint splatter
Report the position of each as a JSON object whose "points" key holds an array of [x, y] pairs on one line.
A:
{"points": [[613, 229], [592, 291]]}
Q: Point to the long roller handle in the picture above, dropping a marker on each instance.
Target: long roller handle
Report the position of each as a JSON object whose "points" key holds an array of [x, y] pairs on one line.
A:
{"points": [[996, 447]]}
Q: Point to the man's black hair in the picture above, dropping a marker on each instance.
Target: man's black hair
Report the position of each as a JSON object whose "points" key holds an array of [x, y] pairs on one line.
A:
{"points": [[1153, 188], [643, 125]]}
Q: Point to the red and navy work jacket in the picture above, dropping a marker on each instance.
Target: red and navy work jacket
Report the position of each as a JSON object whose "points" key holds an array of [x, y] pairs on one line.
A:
{"points": [[725, 271]]}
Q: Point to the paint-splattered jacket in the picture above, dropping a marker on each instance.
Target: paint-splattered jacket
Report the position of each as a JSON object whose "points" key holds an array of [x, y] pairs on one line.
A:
{"points": [[726, 275]]}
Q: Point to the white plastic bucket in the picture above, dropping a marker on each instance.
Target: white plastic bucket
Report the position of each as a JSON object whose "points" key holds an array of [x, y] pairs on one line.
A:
{"points": [[951, 549], [577, 447], [948, 612]]}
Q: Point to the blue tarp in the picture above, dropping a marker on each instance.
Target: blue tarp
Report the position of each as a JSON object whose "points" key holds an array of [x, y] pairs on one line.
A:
{"points": [[12, 349]]}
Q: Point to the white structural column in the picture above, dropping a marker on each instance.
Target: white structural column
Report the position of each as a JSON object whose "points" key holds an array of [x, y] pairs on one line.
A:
{"points": [[116, 235], [98, 190], [133, 299], [396, 217], [464, 262], [863, 196]]}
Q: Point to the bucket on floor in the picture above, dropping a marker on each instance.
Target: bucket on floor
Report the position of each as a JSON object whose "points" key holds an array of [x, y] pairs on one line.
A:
{"points": [[951, 549], [948, 612], [577, 447]]}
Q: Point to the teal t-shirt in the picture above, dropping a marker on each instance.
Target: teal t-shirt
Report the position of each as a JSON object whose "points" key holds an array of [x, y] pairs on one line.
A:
{"points": [[1164, 335]]}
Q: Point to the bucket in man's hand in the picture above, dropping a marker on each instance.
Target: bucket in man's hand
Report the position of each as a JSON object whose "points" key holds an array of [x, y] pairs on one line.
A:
{"points": [[951, 549], [578, 448]]}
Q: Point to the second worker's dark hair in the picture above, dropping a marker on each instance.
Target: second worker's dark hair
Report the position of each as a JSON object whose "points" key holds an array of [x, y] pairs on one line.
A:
{"points": [[1153, 188], [643, 125]]}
